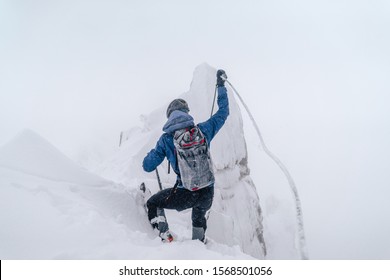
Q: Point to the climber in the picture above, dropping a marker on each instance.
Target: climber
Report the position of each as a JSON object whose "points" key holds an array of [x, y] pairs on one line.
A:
{"points": [[186, 147]]}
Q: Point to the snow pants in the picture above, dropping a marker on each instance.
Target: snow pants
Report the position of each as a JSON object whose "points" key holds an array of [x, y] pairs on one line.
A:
{"points": [[180, 199]]}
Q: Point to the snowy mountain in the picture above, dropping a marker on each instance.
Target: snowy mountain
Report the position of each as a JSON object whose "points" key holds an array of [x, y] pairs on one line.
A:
{"points": [[54, 209]]}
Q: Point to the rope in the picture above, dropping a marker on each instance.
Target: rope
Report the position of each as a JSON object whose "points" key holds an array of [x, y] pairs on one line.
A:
{"points": [[298, 207]]}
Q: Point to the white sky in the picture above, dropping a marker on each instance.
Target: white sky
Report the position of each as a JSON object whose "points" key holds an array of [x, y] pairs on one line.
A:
{"points": [[315, 73]]}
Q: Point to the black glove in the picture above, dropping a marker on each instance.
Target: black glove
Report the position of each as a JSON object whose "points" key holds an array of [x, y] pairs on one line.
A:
{"points": [[221, 77]]}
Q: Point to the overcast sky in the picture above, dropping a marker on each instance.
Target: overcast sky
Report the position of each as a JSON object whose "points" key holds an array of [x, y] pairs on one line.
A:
{"points": [[81, 66], [315, 73]]}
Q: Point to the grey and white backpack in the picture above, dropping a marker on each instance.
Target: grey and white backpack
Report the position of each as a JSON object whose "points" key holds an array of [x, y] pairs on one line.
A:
{"points": [[193, 158]]}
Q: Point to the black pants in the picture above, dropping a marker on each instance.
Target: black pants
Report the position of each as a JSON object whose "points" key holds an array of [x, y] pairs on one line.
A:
{"points": [[180, 199]]}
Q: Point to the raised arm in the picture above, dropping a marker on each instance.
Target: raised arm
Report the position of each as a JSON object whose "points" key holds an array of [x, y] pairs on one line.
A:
{"points": [[211, 127]]}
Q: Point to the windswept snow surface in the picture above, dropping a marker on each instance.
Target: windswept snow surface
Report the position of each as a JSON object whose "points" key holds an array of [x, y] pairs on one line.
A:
{"points": [[53, 209]]}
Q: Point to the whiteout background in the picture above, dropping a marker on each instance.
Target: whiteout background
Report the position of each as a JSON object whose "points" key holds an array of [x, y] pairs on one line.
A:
{"points": [[315, 74]]}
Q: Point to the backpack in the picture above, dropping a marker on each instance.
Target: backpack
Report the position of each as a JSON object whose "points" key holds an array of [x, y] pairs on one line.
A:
{"points": [[193, 158]]}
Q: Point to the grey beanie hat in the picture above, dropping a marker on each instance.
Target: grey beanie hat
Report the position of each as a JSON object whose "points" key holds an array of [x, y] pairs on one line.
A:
{"points": [[177, 104]]}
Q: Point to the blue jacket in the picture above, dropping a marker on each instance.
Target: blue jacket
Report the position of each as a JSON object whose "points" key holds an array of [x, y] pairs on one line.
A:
{"points": [[178, 120]]}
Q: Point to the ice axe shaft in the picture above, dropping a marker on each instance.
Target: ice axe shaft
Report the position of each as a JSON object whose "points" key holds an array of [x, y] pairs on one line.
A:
{"points": [[158, 179], [215, 95]]}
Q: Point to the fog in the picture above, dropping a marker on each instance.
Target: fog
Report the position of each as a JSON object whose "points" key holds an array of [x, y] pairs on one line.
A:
{"points": [[314, 73]]}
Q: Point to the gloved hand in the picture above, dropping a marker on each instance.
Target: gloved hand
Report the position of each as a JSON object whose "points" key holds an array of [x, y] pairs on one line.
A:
{"points": [[221, 77]]}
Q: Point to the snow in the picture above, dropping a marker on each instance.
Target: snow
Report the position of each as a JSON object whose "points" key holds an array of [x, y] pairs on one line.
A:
{"points": [[52, 208], [31, 154]]}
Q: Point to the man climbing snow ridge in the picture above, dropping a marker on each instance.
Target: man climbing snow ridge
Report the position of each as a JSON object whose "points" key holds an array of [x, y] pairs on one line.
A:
{"points": [[186, 147]]}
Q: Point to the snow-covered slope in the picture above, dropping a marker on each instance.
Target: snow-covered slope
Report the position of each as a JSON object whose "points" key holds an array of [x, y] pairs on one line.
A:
{"points": [[53, 209], [236, 216], [31, 154]]}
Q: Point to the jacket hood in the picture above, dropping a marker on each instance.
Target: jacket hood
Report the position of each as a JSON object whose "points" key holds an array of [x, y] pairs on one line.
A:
{"points": [[178, 120]]}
